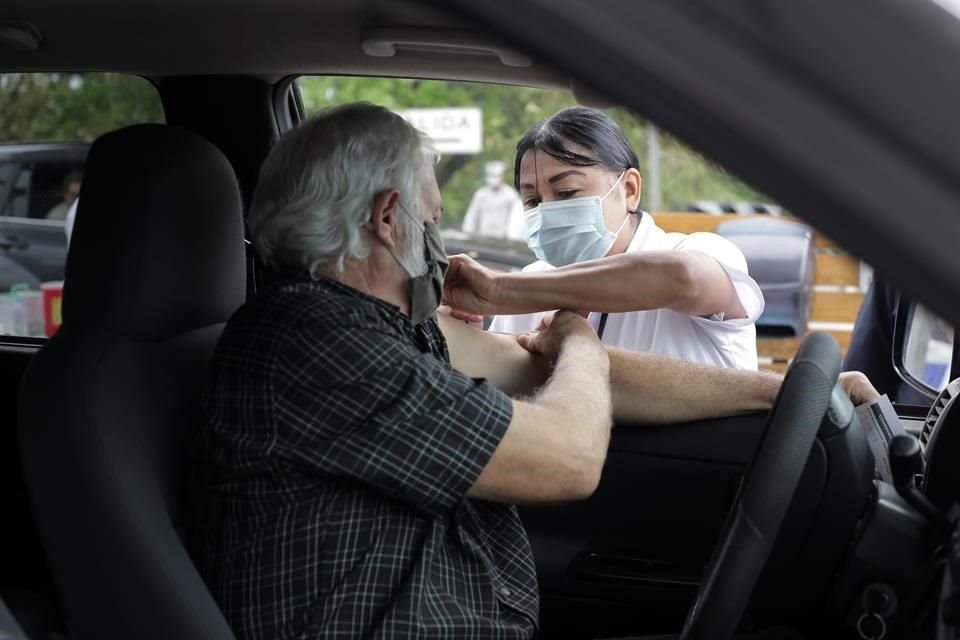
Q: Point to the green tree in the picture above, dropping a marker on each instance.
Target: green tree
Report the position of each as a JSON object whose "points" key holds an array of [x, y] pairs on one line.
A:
{"points": [[508, 112], [82, 106], [40, 106]]}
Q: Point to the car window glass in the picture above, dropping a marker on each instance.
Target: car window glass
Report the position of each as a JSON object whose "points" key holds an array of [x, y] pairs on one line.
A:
{"points": [[17, 190], [49, 122], [8, 170], [809, 282]]}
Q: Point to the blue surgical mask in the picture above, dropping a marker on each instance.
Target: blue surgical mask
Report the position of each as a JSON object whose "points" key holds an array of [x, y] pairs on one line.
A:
{"points": [[568, 231]]}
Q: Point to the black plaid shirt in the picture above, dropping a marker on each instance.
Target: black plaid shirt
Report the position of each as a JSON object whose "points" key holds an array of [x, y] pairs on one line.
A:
{"points": [[330, 481]]}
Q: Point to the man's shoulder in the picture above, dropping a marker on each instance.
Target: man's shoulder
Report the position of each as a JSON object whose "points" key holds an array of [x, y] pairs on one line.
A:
{"points": [[287, 309], [320, 303]]}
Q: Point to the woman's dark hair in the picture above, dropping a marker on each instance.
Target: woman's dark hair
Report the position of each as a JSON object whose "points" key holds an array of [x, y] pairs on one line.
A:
{"points": [[589, 128]]}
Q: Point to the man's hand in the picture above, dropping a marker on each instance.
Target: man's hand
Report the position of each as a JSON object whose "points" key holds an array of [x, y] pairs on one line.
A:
{"points": [[554, 329], [470, 288], [858, 387]]}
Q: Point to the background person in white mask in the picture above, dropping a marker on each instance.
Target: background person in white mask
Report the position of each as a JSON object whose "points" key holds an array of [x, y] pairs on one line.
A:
{"points": [[495, 210], [677, 295]]}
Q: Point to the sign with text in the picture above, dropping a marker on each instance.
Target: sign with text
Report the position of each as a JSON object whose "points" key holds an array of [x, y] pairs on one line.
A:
{"points": [[454, 130]]}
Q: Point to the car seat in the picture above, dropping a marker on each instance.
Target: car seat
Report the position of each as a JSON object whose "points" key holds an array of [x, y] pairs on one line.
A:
{"points": [[155, 269]]}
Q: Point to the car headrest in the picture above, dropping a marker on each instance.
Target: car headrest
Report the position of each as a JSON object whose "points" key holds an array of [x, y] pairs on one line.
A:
{"points": [[157, 245]]}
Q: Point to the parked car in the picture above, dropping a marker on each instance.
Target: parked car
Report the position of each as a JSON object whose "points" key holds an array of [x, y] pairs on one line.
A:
{"points": [[494, 253], [33, 249]]}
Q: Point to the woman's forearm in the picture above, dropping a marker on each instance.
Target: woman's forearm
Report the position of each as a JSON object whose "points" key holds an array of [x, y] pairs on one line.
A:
{"points": [[627, 282]]}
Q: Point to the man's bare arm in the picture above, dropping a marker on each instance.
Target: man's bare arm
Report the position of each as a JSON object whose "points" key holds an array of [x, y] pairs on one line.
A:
{"points": [[494, 356], [556, 443], [653, 389], [647, 388]]}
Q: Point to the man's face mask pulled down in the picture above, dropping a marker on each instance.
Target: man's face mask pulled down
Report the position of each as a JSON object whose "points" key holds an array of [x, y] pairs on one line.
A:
{"points": [[568, 231], [426, 288]]}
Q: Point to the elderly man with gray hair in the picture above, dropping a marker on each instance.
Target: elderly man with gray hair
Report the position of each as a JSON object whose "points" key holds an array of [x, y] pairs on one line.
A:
{"points": [[351, 482], [358, 468]]}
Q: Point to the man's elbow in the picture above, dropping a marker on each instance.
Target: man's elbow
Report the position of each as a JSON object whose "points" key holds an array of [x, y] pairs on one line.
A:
{"points": [[586, 484], [583, 478]]}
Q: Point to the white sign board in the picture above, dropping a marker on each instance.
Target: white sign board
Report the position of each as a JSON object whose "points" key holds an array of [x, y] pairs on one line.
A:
{"points": [[455, 130]]}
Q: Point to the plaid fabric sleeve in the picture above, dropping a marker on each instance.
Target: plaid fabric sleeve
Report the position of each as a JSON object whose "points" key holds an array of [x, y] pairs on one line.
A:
{"points": [[367, 406]]}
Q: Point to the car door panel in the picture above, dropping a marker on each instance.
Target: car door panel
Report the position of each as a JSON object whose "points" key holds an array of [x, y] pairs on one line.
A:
{"points": [[39, 247], [24, 575], [638, 546]]}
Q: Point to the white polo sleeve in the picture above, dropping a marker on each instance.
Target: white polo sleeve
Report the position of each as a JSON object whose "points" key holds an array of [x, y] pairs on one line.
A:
{"points": [[735, 264]]}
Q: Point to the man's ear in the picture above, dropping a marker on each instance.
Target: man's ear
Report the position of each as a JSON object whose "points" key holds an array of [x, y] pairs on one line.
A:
{"points": [[633, 187], [384, 216]]}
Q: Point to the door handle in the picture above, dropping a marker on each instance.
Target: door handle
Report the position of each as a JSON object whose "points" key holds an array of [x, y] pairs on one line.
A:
{"points": [[12, 243]]}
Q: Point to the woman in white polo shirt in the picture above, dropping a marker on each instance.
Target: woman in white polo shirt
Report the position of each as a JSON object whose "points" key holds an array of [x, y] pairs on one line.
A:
{"points": [[678, 295]]}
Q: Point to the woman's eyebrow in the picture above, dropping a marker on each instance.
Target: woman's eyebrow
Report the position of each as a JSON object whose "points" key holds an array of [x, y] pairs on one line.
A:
{"points": [[564, 174], [556, 178]]}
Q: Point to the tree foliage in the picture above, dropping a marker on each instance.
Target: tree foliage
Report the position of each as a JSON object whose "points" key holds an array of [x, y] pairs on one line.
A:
{"points": [[508, 112], [35, 106], [83, 106]]}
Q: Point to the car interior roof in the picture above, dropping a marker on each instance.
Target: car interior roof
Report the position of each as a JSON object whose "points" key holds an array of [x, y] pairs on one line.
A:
{"points": [[267, 39], [723, 77]]}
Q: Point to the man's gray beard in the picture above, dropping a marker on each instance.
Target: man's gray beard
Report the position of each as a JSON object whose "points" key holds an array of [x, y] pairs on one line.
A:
{"points": [[413, 248]]}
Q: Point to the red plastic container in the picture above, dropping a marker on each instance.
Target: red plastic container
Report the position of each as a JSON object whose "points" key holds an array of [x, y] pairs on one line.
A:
{"points": [[52, 299]]}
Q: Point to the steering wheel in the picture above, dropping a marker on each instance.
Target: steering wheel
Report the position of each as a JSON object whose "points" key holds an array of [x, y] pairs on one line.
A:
{"points": [[767, 490]]}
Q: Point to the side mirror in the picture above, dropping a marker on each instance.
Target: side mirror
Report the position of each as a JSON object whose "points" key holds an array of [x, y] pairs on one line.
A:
{"points": [[923, 348]]}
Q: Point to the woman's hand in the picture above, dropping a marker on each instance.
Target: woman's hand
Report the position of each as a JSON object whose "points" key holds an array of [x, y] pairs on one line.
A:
{"points": [[470, 288]]}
